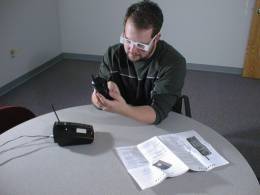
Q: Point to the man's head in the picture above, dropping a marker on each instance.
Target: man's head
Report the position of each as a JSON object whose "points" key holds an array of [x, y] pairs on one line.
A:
{"points": [[142, 25]]}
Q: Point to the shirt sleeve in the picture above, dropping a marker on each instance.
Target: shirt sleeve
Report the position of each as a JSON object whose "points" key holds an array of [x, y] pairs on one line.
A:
{"points": [[104, 68], [167, 88]]}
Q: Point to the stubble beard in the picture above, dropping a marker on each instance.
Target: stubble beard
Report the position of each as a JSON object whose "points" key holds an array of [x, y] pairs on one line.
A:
{"points": [[134, 58]]}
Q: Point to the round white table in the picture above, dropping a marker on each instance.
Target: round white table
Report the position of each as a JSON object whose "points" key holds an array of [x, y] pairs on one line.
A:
{"points": [[34, 166]]}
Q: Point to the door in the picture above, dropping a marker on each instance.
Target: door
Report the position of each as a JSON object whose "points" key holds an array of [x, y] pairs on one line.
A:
{"points": [[252, 58]]}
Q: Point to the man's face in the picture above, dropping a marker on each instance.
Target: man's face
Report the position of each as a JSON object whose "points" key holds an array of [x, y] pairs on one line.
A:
{"points": [[138, 35]]}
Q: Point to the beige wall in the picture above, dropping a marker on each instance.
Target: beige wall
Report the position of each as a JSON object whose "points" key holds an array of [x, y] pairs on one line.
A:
{"points": [[31, 27], [212, 32]]}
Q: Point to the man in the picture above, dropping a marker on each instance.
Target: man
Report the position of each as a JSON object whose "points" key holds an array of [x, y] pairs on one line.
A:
{"points": [[145, 74]]}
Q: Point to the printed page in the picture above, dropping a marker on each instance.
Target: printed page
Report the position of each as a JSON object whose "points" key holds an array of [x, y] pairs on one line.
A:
{"points": [[138, 167], [183, 151], [162, 158], [201, 150], [147, 176], [131, 157]]}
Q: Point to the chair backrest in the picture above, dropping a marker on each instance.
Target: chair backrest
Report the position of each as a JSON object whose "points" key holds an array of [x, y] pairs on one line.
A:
{"points": [[11, 116], [183, 100]]}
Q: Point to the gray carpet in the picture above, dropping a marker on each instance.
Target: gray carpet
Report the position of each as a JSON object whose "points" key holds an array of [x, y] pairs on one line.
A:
{"points": [[227, 103]]}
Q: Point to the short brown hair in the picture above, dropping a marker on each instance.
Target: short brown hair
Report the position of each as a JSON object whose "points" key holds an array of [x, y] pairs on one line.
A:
{"points": [[145, 14]]}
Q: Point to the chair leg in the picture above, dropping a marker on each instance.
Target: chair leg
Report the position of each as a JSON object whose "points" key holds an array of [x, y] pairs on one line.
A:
{"points": [[186, 105]]}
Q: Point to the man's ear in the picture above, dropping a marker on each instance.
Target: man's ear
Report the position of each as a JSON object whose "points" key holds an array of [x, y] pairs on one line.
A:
{"points": [[159, 35], [157, 38]]}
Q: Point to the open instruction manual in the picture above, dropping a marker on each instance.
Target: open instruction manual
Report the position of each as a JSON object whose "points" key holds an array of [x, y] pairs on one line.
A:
{"points": [[151, 161]]}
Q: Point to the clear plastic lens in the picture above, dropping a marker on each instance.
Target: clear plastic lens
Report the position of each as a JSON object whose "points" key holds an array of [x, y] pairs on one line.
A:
{"points": [[141, 46], [136, 44], [127, 41]]}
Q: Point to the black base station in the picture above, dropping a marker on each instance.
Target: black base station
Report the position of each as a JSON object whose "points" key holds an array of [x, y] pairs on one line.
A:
{"points": [[68, 133]]}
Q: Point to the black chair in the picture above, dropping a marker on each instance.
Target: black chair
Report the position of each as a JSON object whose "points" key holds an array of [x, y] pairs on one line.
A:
{"points": [[11, 116], [183, 100]]}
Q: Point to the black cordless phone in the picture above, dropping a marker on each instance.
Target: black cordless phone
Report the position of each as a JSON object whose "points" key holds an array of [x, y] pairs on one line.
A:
{"points": [[100, 84]]}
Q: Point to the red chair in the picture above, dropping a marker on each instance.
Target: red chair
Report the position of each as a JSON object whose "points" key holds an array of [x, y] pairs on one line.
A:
{"points": [[11, 116]]}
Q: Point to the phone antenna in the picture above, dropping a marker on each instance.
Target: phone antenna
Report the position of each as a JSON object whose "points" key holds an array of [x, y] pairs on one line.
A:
{"points": [[55, 112]]}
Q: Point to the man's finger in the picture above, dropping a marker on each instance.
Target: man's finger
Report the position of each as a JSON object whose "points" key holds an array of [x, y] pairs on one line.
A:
{"points": [[113, 87], [102, 99], [114, 95]]}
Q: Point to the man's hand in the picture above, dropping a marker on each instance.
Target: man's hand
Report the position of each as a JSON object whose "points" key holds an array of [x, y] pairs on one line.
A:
{"points": [[118, 103], [115, 105], [95, 99], [145, 114]]}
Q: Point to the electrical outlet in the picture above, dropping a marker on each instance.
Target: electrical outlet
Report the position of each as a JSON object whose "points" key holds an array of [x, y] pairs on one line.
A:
{"points": [[13, 53]]}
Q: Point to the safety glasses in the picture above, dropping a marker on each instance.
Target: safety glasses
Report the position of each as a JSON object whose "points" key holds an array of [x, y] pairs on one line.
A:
{"points": [[138, 45]]}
